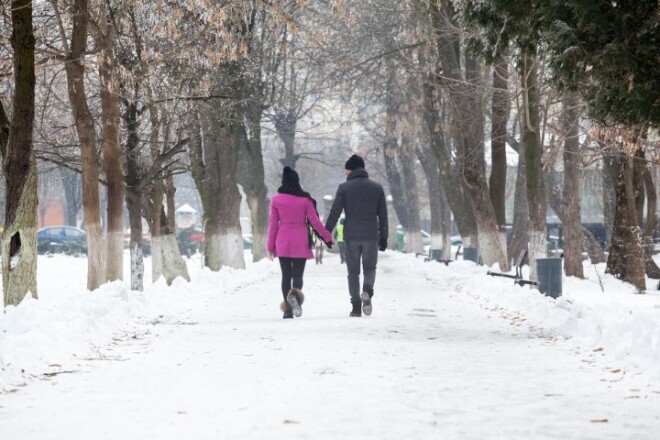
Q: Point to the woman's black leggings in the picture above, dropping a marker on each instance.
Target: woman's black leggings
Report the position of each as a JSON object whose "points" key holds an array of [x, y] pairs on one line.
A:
{"points": [[292, 269]]}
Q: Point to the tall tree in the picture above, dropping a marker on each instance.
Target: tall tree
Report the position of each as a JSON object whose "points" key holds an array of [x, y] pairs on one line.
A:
{"points": [[75, 48], [19, 239], [104, 34], [572, 218]]}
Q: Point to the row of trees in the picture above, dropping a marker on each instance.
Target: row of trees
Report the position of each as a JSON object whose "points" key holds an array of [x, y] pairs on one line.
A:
{"points": [[129, 94]]}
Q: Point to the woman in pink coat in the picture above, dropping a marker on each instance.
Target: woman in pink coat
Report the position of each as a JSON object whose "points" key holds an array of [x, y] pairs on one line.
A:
{"points": [[288, 237]]}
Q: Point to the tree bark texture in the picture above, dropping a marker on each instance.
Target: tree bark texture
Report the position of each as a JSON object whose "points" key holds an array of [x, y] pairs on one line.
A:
{"points": [[627, 257], [172, 264], [75, 73], [571, 214], [112, 157], [520, 224], [500, 115], [285, 125], [430, 166], [72, 194], [589, 242], [19, 239], [534, 168], [414, 231], [134, 194], [464, 91], [216, 173], [652, 269], [463, 214], [253, 179], [390, 147]]}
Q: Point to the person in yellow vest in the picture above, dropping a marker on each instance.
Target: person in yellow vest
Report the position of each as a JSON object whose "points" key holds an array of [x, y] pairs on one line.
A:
{"points": [[338, 234]]}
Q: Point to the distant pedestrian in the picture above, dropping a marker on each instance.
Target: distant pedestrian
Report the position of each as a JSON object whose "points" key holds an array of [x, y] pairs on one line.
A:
{"points": [[363, 202], [338, 235], [292, 211], [318, 251]]}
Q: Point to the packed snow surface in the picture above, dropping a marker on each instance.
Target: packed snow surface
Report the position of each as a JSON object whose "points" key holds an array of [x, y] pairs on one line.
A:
{"points": [[448, 353]]}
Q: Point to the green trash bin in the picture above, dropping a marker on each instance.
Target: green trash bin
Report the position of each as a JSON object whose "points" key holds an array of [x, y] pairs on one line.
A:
{"points": [[548, 272], [471, 254], [400, 240]]}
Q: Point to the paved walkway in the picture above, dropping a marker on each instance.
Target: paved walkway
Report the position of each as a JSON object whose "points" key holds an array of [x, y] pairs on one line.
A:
{"points": [[429, 363]]}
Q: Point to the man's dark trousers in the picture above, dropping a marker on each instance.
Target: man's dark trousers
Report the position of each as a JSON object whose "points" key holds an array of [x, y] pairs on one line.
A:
{"points": [[367, 250]]}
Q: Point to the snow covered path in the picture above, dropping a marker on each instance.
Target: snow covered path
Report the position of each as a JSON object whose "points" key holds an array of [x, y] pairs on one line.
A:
{"points": [[431, 362]]}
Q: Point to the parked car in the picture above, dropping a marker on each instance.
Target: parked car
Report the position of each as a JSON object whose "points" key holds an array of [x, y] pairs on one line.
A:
{"points": [[190, 240], [146, 242], [61, 239]]}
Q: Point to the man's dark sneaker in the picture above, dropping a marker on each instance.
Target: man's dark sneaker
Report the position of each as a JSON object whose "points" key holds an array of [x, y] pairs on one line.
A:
{"points": [[356, 312], [365, 296], [295, 299]]}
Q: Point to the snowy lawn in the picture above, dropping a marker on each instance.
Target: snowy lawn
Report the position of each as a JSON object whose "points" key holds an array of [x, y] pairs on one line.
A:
{"points": [[449, 353]]}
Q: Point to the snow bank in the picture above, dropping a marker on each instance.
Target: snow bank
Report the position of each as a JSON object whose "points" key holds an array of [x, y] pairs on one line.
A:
{"points": [[69, 324]]}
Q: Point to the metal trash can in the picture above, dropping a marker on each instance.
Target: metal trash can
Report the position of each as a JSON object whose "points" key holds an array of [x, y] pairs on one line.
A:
{"points": [[435, 254], [549, 273], [471, 254]]}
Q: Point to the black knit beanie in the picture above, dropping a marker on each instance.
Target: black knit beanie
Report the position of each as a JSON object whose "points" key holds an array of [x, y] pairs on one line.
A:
{"points": [[290, 178], [354, 162]]}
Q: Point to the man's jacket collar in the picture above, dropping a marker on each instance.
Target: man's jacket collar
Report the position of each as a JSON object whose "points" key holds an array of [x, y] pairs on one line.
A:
{"points": [[357, 173]]}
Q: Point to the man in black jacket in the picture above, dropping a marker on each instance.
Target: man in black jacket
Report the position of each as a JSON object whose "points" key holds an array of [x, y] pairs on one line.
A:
{"points": [[365, 230]]}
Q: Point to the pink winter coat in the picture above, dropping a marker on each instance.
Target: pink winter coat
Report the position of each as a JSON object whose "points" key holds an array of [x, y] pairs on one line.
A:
{"points": [[288, 235]]}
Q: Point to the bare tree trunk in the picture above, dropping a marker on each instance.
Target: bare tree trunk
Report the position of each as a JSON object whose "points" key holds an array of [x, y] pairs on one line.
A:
{"points": [[253, 180], [627, 258], [223, 237], [215, 170], [134, 195], [112, 156], [500, 115], [75, 72], [19, 239], [170, 190], [534, 168], [652, 269], [609, 174], [463, 214], [468, 131], [134, 206], [173, 265], [520, 224], [285, 124], [390, 147], [571, 215], [413, 232], [72, 193], [438, 230]]}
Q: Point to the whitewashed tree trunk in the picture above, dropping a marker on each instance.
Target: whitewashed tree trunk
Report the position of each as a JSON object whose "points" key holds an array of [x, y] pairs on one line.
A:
{"points": [[225, 249], [19, 262], [414, 242], [156, 257], [537, 249], [173, 265], [19, 239], [137, 267]]}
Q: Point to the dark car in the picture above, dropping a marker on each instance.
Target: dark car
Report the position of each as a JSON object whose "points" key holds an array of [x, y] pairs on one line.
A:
{"points": [[61, 239], [190, 240]]}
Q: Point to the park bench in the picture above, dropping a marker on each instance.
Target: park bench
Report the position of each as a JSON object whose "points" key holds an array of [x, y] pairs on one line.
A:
{"points": [[518, 277], [436, 255]]}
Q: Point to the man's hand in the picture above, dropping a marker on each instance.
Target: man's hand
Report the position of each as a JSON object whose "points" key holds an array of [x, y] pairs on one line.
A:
{"points": [[329, 244], [382, 244]]}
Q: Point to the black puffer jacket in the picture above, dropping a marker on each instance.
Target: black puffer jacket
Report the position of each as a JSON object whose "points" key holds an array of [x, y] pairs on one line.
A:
{"points": [[363, 202]]}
